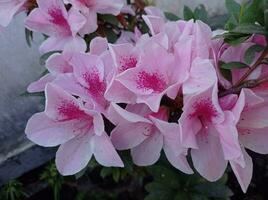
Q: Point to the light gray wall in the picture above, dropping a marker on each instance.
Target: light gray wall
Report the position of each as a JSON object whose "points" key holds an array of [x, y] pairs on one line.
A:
{"points": [[214, 7]]}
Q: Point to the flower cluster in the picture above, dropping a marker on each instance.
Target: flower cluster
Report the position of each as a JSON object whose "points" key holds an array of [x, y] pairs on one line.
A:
{"points": [[162, 90]]}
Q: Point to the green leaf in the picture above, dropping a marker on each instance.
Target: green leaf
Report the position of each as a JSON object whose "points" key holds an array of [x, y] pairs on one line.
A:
{"points": [[200, 13], [266, 18], [234, 65], [116, 175], [28, 37], [45, 56], [111, 19], [233, 8], [250, 29], [213, 190], [251, 53], [165, 176], [234, 41], [252, 12], [171, 16], [159, 191], [188, 13]]}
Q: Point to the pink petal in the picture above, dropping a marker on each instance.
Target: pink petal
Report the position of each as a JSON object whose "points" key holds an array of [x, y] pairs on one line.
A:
{"points": [[255, 139], [243, 175], [148, 152], [46, 132], [105, 153], [73, 156], [129, 135], [154, 23], [178, 161], [202, 77], [61, 105], [208, 159], [76, 21], [229, 137], [8, 9], [154, 11], [39, 85], [98, 45]]}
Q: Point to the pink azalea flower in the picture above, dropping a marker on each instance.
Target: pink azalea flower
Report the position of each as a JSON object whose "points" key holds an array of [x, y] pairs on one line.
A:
{"points": [[146, 134], [51, 18], [154, 76], [88, 80], [78, 130], [125, 56], [8, 9], [181, 31], [56, 64], [210, 132], [90, 8]]}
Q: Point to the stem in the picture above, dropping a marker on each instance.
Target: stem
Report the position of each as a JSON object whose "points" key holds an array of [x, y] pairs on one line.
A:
{"points": [[247, 84], [256, 64]]}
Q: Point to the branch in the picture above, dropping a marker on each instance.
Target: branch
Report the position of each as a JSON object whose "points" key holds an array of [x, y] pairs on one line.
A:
{"points": [[247, 84], [256, 64]]}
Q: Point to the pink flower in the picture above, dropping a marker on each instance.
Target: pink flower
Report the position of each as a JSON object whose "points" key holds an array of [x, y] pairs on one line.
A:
{"points": [[8, 9], [198, 32], [210, 132], [51, 18], [154, 76], [90, 8], [146, 134], [77, 129], [88, 80]]}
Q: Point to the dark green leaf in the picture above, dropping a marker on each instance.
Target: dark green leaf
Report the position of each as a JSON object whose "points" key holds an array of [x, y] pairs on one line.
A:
{"points": [[266, 19], [234, 41], [231, 23], [234, 65], [165, 176], [251, 53], [111, 19], [252, 12], [214, 190], [36, 94], [45, 56], [188, 13], [200, 13], [171, 16], [159, 191], [28, 37], [116, 175], [250, 29]]}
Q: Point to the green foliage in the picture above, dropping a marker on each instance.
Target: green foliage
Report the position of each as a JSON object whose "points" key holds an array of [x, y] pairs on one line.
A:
{"points": [[233, 65], [28, 37], [171, 16], [13, 190], [52, 177], [245, 20], [170, 184], [200, 13], [251, 53], [119, 174]]}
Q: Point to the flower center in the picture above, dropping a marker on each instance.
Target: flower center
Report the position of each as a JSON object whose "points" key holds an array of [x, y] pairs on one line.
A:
{"points": [[151, 81], [127, 62], [96, 86], [68, 110], [59, 20], [204, 110]]}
